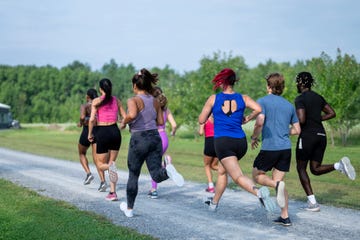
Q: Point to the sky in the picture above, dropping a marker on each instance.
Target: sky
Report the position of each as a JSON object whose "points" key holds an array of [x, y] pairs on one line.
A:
{"points": [[177, 33]]}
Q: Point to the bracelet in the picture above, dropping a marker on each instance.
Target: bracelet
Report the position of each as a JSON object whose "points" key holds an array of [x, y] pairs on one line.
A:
{"points": [[254, 139]]}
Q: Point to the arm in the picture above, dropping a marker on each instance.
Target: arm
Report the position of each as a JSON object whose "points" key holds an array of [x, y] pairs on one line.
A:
{"points": [[201, 129], [207, 109], [260, 119], [92, 119], [295, 129], [159, 118], [82, 116], [122, 112], [300, 112], [329, 113], [132, 111], [250, 103], [172, 122]]}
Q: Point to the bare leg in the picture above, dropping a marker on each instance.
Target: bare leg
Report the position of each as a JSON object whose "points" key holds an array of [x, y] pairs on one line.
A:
{"points": [[96, 161], [83, 159], [304, 177]]}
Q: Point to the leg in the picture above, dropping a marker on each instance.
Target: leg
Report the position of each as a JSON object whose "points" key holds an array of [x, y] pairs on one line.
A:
{"points": [[303, 176], [83, 159], [207, 167], [277, 176], [317, 169], [220, 184], [96, 161]]}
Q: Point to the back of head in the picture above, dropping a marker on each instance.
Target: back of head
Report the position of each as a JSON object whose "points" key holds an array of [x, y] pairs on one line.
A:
{"points": [[224, 78], [276, 83], [305, 79], [92, 93], [106, 85], [144, 80]]}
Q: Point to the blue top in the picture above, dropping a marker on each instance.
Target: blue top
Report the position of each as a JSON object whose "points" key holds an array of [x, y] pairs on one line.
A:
{"points": [[228, 111], [279, 114], [146, 118]]}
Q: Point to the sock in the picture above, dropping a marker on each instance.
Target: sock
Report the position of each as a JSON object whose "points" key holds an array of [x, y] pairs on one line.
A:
{"points": [[337, 166], [211, 185], [312, 199]]}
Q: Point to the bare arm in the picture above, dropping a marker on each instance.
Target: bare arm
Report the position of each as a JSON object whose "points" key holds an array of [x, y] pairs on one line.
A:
{"points": [[250, 103], [207, 109], [301, 115], [295, 129], [82, 116], [132, 111], [260, 119], [121, 109], [172, 122], [329, 113], [159, 118], [92, 119], [201, 129]]}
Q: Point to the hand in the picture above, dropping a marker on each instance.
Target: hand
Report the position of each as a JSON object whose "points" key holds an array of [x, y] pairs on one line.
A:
{"points": [[254, 142], [90, 138]]}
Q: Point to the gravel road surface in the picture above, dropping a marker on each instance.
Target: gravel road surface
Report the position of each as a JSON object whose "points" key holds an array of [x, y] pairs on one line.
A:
{"points": [[178, 213]]}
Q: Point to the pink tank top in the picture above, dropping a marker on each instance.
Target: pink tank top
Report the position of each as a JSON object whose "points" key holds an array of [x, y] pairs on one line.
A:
{"points": [[209, 129], [109, 111]]}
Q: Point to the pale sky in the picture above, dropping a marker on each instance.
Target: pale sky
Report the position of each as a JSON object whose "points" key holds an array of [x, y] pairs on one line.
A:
{"points": [[178, 33]]}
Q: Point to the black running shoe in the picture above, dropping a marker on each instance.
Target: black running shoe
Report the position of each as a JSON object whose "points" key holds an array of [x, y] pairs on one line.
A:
{"points": [[283, 221]]}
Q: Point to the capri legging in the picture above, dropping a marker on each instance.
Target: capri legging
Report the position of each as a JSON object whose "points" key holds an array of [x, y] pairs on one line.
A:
{"points": [[165, 145], [227, 147]]}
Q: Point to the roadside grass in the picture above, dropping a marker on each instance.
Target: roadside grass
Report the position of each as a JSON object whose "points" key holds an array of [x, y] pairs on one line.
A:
{"points": [[333, 188], [24, 214]]}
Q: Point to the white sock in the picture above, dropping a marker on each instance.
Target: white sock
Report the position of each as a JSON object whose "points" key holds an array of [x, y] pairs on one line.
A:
{"points": [[312, 199], [211, 185], [337, 166]]}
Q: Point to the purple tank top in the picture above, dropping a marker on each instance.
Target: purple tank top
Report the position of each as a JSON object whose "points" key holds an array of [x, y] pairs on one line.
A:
{"points": [[146, 118]]}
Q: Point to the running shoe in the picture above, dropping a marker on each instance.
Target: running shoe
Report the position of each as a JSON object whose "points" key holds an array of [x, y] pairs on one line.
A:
{"points": [[266, 200], [346, 168], [102, 187], [113, 176], [88, 179], [211, 206], [283, 221], [280, 193], [128, 212], [312, 207], [174, 175], [153, 194], [210, 189], [111, 197]]}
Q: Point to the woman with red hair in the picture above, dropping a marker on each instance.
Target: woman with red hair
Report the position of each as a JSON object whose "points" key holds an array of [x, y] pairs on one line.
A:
{"points": [[230, 141]]}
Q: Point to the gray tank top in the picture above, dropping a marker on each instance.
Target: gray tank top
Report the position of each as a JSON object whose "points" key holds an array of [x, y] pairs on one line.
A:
{"points": [[146, 118]]}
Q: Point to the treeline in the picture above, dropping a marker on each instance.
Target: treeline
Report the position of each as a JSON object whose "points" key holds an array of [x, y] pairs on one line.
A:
{"points": [[50, 95]]}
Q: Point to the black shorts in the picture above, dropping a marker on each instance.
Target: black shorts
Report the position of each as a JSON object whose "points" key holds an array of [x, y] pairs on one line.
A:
{"points": [[209, 148], [227, 147], [107, 138], [267, 160], [83, 140], [311, 146]]}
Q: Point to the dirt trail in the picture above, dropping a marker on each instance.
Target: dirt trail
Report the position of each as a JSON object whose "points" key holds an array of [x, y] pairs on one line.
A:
{"points": [[178, 213]]}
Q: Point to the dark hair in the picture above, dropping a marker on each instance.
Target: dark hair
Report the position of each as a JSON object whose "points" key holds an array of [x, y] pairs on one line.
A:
{"points": [[144, 80], [106, 85], [92, 93], [305, 79], [225, 77], [276, 83], [160, 96]]}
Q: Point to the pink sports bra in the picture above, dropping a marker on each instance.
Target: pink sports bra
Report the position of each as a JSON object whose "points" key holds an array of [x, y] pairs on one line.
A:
{"points": [[108, 112]]}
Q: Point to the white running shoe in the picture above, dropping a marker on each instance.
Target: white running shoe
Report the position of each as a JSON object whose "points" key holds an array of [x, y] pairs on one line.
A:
{"points": [[174, 175], [312, 207], [128, 212], [346, 168], [280, 194], [113, 176], [266, 200]]}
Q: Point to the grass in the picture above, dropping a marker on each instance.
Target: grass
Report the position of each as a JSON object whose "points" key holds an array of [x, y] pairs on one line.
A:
{"points": [[27, 215]]}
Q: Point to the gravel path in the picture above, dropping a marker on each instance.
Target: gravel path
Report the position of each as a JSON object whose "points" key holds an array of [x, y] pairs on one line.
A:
{"points": [[178, 213]]}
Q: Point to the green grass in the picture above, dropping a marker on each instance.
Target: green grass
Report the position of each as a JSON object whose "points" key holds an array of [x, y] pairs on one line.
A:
{"points": [[26, 215]]}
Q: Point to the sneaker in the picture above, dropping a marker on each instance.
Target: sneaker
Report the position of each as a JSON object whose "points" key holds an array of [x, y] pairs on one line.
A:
{"points": [[346, 168], [113, 176], [102, 187], [111, 197], [212, 207], [210, 189], [280, 193], [125, 210], [174, 175], [283, 221], [312, 207], [265, 199], [153, 194], [88, 179]]}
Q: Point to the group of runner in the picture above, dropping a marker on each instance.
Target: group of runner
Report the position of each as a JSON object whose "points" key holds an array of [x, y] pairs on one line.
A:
{"points": [[221, 121]]}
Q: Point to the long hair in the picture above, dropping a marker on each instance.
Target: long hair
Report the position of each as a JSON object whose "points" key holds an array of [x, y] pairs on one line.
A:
{"points": [[106, 85], [145, 80], [224, 78]]}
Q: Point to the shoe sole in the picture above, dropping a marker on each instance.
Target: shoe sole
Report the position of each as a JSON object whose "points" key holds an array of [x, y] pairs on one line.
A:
{"points": [[349, 169], [280, 196], [283, 224], [317, 209], [266, 200], [174, 175], [111, 199], [123, 208]]}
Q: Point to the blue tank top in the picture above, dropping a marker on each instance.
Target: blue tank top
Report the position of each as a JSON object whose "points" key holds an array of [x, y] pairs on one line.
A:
{"points": [[146, 118], [229, 123]]}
